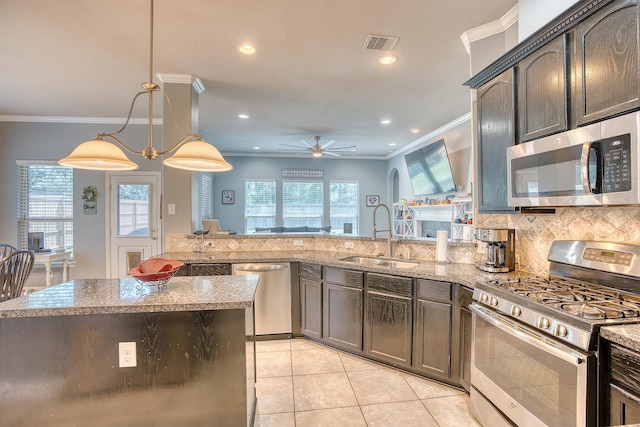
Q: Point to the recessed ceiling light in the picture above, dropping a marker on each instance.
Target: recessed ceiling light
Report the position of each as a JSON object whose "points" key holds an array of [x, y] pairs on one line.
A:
{"points": [[385, 121], [392, 144], [256, 148], [387, 60], [243, 116], [415, 130], [247, 49]]}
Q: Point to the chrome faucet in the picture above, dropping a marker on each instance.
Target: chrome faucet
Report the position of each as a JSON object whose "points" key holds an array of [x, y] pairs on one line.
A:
{"points": [[388, 230]]}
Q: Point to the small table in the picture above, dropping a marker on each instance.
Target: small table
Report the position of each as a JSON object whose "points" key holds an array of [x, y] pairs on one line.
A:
{"points": [[50, 257]]}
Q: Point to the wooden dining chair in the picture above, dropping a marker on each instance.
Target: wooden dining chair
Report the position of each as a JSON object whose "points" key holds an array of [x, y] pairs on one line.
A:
{"points": [[6, 249], [15, 268]]}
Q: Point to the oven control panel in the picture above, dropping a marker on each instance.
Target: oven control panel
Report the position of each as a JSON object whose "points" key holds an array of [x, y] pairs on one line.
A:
{"points": [[527, 315], [608, 256]]}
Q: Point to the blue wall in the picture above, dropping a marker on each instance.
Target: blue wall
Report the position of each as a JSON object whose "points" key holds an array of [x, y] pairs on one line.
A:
{"points": [[371, 174]]}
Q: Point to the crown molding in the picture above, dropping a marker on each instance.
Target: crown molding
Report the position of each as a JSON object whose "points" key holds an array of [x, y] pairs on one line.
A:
{"points": [[78, 120], [433, 134], [489, 29], [555, 28]]}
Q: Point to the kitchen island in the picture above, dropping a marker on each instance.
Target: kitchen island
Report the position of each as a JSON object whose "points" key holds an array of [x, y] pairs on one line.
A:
{"points": [[188, 356]]}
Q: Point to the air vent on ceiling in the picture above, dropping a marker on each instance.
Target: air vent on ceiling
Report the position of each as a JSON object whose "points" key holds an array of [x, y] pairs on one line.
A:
{"points": [[375, 42]]}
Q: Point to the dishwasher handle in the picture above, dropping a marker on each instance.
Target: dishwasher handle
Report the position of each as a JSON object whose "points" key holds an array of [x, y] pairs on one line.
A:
{"points": [[257, 268]]}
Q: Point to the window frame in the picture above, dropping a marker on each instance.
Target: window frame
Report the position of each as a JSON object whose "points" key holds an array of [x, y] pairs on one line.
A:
{"points": [[356, 222], [24, 219], [320, 210]]}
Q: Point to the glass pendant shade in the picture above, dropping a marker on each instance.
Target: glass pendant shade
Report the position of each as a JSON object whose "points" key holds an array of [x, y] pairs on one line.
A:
{"points": [[198, 156], [98, 154]]}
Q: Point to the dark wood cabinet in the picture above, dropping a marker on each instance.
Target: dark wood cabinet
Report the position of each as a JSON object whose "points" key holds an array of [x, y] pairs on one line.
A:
{"points": [[606, 63], [542, 91], [204, 269], [311, 300], [496, 132], [432, 328], [465, 297], [621, 381], [342, 308], [388, 318]]}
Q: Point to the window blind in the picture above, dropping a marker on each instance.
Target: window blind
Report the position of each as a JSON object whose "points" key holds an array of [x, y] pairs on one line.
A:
{"points": [[343, 204], [302, 203], [259, 204], [206, 197], [45, 204]]}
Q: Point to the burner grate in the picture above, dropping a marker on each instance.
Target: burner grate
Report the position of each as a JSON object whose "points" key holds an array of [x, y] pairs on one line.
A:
{"points": [[586, 300]]}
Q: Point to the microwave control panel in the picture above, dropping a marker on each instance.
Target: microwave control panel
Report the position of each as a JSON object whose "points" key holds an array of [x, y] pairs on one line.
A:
{"points": [[616, 163]]}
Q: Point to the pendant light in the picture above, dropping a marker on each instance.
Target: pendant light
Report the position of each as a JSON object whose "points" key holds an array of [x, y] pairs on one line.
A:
{"points": [[191, 152]]}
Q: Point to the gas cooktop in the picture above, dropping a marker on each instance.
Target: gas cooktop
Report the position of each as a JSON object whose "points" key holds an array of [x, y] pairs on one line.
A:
{"points": [[590, 284]]}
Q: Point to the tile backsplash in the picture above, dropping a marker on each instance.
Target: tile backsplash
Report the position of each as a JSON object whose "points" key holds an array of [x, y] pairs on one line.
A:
{"points": [[535, 233]]}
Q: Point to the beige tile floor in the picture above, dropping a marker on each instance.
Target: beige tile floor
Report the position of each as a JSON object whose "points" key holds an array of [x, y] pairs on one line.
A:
{"points": [[301, 383]]}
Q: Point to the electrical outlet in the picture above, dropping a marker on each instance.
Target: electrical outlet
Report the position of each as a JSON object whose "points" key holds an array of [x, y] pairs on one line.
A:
{"points": [[348, 245], [481, 247], [297, 242], [127, 355]]}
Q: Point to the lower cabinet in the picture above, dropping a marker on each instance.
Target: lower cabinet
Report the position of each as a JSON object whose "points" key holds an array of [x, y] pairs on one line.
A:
{"points": [[465, 297], [621, 384], [432, 328], [204, 269], [388, 318], [311, 300], [342, 308]]}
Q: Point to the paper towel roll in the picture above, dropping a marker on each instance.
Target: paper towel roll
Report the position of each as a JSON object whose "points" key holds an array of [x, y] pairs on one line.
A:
{"points": [[441, 246]]}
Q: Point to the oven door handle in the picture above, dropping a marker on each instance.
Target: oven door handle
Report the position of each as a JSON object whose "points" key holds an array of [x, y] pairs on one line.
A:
{"points": [[528, 336]]}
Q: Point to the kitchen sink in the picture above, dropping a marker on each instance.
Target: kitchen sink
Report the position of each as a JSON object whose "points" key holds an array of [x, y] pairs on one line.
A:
{"points": [[379, 262]]}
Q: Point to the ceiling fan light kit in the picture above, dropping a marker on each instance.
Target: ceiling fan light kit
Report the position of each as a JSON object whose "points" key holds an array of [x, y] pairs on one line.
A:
{"points": [[191, 152]]}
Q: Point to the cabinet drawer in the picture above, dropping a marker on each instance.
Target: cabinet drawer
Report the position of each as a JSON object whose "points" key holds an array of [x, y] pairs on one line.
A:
{"points": [[312, 271], [394, 284], [210, 269], [434, 290], [343, 277]]}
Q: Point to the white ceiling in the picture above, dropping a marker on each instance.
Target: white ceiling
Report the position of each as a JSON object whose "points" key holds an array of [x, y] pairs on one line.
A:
{"points": [[311, 75]]}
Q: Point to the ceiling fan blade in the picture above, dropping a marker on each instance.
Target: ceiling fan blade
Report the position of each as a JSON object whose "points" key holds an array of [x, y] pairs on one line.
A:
{"points": [[295, 146], [346, 147], [331, 154], [308, 145], [328, 144]]}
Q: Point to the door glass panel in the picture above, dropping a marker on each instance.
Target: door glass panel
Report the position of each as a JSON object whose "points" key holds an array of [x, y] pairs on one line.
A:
{"points": [[134, 210], [543, 384]]}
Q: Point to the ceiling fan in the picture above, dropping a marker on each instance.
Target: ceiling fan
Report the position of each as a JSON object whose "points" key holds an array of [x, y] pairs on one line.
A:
{"points": [[318, 150]]}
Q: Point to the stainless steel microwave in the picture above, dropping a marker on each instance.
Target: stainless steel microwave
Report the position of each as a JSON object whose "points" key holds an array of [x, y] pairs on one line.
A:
{"points": [[593, 165]]}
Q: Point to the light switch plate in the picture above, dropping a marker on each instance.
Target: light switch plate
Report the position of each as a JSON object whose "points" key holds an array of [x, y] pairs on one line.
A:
{"points": [[348, 245], [171, 209], [297, 242]]}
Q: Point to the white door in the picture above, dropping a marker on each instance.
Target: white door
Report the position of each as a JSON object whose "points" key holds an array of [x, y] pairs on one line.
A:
{"points": [[134, 220]]}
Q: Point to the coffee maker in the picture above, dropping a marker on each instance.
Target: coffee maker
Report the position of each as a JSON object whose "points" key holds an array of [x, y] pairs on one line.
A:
{"points": [[500, 254]]}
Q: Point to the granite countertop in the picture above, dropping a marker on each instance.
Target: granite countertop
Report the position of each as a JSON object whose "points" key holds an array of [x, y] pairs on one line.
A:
{"points": [[626, 335], [108, 296], [465, 274]]}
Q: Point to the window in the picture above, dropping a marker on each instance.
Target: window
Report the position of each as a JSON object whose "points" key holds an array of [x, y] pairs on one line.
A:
{"points": [[206, 197], [343, 207], [259, 204], [45, 204], [302, 203]]}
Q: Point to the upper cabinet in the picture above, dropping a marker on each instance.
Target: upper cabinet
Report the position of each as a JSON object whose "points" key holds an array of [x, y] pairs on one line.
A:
{"points": [[496, 132], [606, 69], [542, 91]]}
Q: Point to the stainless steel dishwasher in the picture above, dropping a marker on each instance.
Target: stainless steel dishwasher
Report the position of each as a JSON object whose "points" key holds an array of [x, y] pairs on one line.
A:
{"points": [[272, 304]]}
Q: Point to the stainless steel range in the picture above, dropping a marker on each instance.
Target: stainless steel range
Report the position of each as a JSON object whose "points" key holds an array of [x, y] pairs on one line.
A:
{"points": [[535, 339]]}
